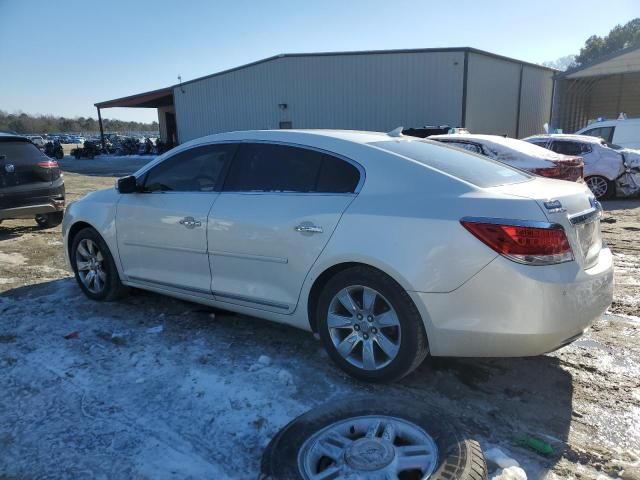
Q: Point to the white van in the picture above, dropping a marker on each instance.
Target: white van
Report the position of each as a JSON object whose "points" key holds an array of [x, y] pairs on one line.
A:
{"points": [[625, 133]]}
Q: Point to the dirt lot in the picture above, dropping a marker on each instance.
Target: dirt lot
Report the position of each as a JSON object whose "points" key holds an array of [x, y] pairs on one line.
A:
{"points": [[200, 396]]}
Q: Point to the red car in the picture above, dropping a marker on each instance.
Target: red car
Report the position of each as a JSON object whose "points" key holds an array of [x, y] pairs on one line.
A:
{"points": [[519, 154]]}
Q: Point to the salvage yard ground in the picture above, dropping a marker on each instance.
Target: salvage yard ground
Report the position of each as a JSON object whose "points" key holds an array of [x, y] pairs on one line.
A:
{"points": [[152, 387]]}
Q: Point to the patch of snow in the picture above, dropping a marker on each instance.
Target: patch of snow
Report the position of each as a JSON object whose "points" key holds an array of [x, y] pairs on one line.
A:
{"points": [[12, 258], [263, 361], [510, 473], [157, 329], [497, 457]]}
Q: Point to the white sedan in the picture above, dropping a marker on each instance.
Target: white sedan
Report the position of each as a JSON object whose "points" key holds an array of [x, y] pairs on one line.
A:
{"points": [[389, 247]]}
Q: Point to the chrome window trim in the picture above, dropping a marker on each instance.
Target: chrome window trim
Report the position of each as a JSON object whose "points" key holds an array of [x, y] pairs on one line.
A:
{"points": [[513, 222]]}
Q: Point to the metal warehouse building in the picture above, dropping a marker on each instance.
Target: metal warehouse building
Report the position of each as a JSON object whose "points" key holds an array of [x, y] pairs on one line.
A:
{"points": [[604, 88], [372, 90]]}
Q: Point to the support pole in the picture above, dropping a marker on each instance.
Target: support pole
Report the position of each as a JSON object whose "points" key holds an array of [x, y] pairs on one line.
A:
{"points": [[101, 130]]}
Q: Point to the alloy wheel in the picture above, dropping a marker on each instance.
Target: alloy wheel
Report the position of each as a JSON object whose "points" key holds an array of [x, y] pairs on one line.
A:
{"points": [[372, 446], [598, 186], [364, 327], [90, 266]]}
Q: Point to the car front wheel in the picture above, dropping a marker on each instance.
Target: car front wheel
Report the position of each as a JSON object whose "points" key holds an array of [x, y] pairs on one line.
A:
{"points": [[601, 187], [94, 268], [370, 326]]}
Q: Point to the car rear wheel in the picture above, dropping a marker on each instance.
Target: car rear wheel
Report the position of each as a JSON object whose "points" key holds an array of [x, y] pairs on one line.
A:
{"points": [[370, 326], [365, 437], [94, 268], [600, 186], [49, 220]]}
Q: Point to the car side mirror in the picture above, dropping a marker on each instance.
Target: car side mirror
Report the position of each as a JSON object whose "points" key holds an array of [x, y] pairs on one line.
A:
{"points": [[128, 184]]}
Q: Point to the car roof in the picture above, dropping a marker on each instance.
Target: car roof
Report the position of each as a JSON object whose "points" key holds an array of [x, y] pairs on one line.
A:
{"points": [[291, 134], [611, 121], [12, 137], [568, 137]]}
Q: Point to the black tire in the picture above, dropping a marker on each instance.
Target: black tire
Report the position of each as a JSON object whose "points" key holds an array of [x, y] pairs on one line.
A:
{"points": [[77, 155], [59, 156], [413, 342], [49, 220], [610, 187], [113, 288], [459, 458]]}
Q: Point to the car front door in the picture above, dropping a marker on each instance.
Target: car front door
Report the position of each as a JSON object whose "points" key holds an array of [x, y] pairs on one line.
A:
{"points": [[279, 206], [162, 230]]}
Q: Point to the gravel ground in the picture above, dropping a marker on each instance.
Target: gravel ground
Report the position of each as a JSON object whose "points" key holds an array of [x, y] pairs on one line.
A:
{"points": [[200, 396]]}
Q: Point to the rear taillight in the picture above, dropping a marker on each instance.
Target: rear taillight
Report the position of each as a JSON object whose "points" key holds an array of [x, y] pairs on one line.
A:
{"points": [[553, 172], [48, 164], [522, 243]]}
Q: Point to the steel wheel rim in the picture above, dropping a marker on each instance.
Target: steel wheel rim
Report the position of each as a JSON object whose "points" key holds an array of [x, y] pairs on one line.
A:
{"points": [[598, 186], [90, 266], [371, 446], [364, 327]]}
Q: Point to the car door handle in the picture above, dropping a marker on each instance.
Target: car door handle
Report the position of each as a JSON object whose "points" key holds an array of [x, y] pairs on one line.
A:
{"points": [[308, 229], [190, 222]]}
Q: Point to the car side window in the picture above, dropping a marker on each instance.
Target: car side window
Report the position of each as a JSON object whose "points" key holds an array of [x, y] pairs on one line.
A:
{"points": [[567, 148], [198, 169], [606, 133], [264, 167]]}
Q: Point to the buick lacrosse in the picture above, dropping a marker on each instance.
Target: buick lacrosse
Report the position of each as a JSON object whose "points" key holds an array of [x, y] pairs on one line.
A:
{"points": [[389, 247]]}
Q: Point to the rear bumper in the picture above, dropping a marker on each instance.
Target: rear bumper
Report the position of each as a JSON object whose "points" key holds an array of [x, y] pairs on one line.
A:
{"points": [[513, 310], [25, 201], [31, 210]]}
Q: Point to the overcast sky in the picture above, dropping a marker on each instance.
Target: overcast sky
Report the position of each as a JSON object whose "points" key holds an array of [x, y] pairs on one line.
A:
{"points": [[60, 57]]}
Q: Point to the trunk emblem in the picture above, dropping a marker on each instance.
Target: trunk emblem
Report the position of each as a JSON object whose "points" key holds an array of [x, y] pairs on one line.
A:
{"points": [[9, 168], [554, 206]]}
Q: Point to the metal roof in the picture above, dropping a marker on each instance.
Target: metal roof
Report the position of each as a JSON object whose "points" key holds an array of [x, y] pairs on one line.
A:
{"points": [[153, 99], [149, 99], [598, 61]]}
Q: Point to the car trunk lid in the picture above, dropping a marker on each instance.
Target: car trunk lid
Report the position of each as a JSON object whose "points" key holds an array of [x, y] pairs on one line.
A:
{"points": [[570, 205]]}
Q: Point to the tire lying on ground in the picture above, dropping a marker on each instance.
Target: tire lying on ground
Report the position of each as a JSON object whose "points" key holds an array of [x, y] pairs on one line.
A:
{"points": [[370, 438]]}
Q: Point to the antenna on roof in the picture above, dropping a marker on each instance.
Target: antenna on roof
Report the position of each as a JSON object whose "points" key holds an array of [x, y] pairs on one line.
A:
{"points": [[180, 80], [396, 132]]}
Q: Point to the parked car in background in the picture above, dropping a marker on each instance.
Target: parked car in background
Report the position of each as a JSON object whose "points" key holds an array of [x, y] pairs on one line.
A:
{"points": [[623, 132], [37, 140], [390, 247], [429, 130], [31, 184], [518, 154], [608, 169]]}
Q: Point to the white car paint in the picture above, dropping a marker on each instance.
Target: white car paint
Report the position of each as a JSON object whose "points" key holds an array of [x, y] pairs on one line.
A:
{"points": [[599, 159], [404, 220], [623, 132]]}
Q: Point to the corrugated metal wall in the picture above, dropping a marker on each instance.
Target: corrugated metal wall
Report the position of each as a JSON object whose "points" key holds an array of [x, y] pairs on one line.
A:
{"points": [[579, 100], [535, 100], [162, 124], [492, 95], [373, 91]]}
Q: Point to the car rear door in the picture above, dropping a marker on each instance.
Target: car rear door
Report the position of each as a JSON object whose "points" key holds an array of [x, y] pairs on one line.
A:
{"points": [[26, 174], [162, 231], [279, 207]]}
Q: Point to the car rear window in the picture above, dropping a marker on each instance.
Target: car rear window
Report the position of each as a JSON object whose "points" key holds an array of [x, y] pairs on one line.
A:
{"points": [[19, 152], [469, 167]]}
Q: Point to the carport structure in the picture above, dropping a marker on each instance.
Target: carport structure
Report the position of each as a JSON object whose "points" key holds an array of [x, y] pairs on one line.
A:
{"points": [[603, 88], [162, 99]]}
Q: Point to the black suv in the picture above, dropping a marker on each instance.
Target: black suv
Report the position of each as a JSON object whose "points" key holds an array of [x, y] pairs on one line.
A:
{"points": [[31, 184]]}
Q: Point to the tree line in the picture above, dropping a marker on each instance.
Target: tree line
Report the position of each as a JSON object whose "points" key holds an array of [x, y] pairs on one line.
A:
{"points": [[595, 47], [25, 123]]}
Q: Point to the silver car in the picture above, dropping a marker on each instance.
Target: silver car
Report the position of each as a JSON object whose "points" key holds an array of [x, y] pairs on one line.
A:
{"points": [[389, 247]]}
